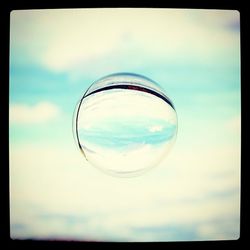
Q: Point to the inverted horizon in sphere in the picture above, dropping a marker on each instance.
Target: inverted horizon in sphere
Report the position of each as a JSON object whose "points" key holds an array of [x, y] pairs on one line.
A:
{"points": [[118, 122]]}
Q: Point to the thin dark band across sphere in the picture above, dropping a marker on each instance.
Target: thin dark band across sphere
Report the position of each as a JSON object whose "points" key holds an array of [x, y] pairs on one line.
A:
{"points": [[133, 87]]}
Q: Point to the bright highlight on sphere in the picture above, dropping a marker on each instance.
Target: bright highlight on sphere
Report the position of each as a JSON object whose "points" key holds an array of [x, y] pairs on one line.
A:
{"points": [[124, 124]]}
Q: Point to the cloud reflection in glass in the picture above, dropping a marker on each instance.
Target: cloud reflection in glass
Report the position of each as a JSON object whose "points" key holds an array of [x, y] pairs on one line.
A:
{"points": [[124, 124]]}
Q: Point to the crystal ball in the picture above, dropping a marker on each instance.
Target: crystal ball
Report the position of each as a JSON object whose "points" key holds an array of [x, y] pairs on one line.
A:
{"points": [[124, 124]]}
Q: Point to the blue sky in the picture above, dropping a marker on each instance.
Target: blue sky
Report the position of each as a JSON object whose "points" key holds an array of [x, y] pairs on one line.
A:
{"points": [[195, 57]]}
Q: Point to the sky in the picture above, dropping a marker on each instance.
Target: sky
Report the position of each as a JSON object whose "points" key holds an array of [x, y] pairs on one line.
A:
{"points": [[194, 193]]}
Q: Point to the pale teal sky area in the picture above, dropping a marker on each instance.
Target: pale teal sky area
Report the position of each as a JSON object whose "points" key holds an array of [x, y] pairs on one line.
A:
{"points": [[194, 55]]}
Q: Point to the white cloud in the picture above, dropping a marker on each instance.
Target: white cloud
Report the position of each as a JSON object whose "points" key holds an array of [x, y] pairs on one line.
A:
{"points": [[63, 40], [155, 128], [183, 191], [42, 112]]}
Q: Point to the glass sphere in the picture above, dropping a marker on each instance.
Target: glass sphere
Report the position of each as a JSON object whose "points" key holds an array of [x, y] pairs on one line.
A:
{"points": [[124, 124]]}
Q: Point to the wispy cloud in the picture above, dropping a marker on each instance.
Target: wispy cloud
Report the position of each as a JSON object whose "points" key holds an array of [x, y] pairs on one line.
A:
{"points": [[63, 40], [155, 128], [182, 192], [41, 112]]}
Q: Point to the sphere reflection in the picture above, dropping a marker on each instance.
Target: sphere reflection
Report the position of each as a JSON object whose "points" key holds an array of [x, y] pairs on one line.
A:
{"points": [[124, 124]]}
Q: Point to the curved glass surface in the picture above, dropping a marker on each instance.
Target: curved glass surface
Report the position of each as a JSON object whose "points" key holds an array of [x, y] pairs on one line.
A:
{"points": [[124, 124]]}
